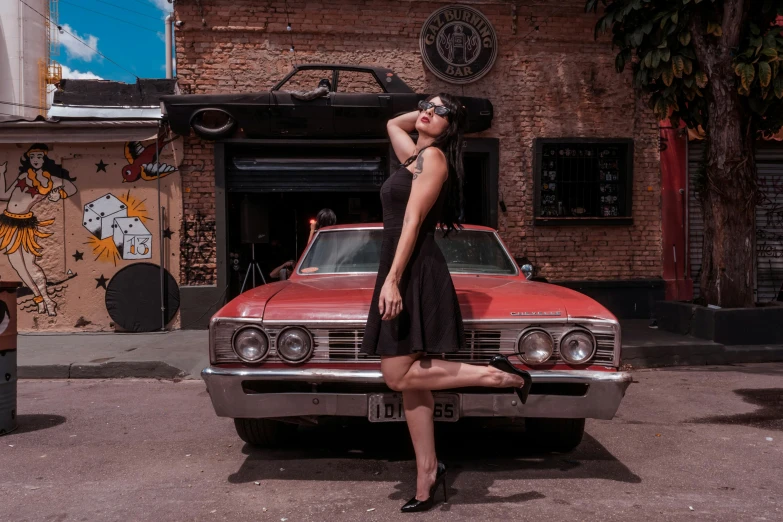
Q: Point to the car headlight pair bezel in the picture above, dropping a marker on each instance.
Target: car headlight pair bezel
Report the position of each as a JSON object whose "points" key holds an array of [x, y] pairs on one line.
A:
{"points": [[545, 348], [283, 349]]}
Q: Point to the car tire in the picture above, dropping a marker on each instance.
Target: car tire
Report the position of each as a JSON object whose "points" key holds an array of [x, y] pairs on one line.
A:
{"points": [[558, 435], [265, 433]]}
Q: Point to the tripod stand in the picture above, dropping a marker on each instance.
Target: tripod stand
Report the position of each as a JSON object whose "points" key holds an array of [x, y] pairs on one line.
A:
{"points": [[251, 269]]}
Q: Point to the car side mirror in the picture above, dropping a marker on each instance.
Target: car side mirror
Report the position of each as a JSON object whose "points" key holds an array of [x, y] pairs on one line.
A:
{"points": [[283, 274], [525, 265]]}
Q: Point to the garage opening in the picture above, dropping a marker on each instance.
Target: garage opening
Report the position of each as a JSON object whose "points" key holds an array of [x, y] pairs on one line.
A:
{"points": [[273, 190]]}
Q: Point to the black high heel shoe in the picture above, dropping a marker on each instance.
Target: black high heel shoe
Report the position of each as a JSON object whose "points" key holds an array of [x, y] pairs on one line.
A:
{"points": [[415, 505], [502, 363]]}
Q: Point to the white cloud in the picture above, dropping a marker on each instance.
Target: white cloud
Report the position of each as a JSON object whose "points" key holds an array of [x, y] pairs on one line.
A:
{"points": [[163, 5], [74, 47], [78, 75]]}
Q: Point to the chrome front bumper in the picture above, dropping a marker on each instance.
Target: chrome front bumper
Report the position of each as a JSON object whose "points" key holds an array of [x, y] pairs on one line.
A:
{"points": [[604, 392]]}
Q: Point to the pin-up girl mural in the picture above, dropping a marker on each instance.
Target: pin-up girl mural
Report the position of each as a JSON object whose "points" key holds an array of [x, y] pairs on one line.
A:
{"points": [[39, 178]]}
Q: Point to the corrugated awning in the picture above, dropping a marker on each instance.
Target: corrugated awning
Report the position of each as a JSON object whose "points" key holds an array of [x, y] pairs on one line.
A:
{"points": [[77, 131]]}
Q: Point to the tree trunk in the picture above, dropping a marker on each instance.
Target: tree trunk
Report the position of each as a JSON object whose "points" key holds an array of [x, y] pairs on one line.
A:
{"points": [[728, 199], [728, 204]]}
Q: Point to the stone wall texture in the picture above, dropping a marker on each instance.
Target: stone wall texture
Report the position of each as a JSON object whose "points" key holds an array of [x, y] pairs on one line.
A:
{"points": [[551, 79]]}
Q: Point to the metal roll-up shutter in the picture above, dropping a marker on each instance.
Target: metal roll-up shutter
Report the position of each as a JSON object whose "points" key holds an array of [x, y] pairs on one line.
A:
{"points": [[695, 218], [328, 174], [769, 222]]}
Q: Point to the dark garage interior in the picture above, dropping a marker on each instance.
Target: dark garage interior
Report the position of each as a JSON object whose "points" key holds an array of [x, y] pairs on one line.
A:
{"points": [[274, 191]]}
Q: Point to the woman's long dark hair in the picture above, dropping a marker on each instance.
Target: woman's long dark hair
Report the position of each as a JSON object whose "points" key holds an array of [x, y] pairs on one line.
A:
{"points": [[452, 145]]}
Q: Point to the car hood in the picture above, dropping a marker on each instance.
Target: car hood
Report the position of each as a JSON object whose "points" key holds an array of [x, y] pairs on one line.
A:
{"points": [[347, 298]]}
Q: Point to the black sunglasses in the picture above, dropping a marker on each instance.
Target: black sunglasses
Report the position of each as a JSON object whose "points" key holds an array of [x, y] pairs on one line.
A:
{"points": [[440, 110]]}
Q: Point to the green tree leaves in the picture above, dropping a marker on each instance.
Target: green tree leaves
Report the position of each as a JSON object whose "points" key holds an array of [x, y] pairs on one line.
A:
{"points": [[678, 66], [757, 67], [655, 38]]}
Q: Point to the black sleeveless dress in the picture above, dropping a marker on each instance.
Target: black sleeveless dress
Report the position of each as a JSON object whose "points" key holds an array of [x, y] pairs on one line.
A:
{"points": [[430, 320]]}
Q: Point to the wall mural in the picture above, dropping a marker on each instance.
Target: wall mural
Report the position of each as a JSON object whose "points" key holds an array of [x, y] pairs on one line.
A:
{"points": [[143, 161], [39, 179], [117, 228], [69, 223]]}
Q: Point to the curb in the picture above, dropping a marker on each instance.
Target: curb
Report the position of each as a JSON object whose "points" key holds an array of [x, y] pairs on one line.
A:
{"points": [[109, 370], [698, 355]]}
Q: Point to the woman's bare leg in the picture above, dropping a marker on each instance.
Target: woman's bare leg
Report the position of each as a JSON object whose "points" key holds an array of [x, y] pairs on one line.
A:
{"points": [[406, 372], [418, 406], [415, 377]]}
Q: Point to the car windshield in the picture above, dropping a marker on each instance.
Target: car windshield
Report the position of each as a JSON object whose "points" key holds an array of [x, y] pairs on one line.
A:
{"points": [[352, 251]]}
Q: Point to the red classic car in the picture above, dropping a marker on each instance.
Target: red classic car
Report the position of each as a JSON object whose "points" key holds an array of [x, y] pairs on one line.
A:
{"points": [[288, 352]]}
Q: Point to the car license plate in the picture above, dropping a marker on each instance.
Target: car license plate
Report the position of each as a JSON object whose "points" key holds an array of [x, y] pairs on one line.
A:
{"points": [[387, 407]]}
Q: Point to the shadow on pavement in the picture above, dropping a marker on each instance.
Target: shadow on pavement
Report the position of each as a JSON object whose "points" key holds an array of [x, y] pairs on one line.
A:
{"points": [[769, 415], [773, 369], [360, 451], [36, 422]]}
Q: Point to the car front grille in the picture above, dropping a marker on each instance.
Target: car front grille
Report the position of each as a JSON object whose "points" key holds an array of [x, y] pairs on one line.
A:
{"points": [[341, 344]]}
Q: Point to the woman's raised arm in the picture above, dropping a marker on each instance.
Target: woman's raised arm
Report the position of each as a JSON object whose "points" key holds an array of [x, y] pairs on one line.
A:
{"points": [[399, 129]]}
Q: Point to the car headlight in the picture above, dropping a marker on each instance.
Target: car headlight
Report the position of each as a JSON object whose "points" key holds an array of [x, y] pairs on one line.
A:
{"points": [[535, 346], [577, 347], [250, 344], [294, 345]]}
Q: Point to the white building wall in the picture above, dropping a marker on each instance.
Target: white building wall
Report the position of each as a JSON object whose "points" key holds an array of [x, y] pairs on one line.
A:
{"points": [[22, 47]]}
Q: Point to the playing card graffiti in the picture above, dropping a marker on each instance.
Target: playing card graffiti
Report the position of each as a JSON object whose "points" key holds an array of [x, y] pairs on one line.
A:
{"points": [[117, 225], [39, 179]]}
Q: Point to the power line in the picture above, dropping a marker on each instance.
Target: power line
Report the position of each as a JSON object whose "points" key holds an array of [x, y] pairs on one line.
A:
{"points": [[59, 27], [13, 115], [146, 4], [158, 18], [23, 105], [110, 16]]}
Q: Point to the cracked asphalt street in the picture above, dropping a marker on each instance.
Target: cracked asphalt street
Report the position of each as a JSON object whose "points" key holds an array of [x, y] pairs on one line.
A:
{"points": [[700, 443]]}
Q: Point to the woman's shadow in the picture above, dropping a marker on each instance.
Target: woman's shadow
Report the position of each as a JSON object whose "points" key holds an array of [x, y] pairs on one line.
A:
{"points": [[485, 451]]}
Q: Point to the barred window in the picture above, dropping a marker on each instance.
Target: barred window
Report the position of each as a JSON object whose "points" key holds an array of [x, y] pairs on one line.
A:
{"points": [[581, 181]]}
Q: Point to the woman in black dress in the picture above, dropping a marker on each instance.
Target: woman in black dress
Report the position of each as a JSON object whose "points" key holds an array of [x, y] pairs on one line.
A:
{"points": [[414, 310]]}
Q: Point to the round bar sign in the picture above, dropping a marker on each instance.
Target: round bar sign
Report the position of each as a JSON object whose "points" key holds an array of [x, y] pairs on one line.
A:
{"points": [[458, 44]]}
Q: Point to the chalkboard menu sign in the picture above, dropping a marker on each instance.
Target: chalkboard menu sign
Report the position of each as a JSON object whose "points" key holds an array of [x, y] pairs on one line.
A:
{"points": [[579, 181]]}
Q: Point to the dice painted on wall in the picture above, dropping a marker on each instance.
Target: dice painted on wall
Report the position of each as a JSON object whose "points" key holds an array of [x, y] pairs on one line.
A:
{"points": [[132, 239], [99, 215]]}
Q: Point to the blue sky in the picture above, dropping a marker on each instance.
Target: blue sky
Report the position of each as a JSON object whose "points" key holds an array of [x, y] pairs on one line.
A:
{"points": [[106, 26]]}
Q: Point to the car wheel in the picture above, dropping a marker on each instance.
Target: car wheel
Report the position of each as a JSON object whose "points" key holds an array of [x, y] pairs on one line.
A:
{"points": [[560, 435], [264, 433]]}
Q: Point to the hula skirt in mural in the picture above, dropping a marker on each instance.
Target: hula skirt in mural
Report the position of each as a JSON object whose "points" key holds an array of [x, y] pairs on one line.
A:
{"points": [[21, 230]]}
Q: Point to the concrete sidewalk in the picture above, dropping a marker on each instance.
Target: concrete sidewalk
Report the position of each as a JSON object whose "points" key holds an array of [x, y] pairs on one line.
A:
{"points": [[644, 347], [184, 353], [164, 355]]}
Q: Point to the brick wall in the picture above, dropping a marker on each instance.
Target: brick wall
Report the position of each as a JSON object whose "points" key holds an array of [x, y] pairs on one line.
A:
{"points": [[550, 79]]}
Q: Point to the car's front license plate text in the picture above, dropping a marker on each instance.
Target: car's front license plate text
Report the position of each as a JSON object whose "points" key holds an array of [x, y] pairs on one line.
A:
{"points": [[387, 407]]}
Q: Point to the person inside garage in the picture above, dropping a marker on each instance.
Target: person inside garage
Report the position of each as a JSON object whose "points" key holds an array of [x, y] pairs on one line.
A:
{"points": [[275, 259]]}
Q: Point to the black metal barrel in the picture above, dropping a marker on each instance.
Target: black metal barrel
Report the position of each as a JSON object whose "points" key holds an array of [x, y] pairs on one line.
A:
{"points": [[7, 357]]}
